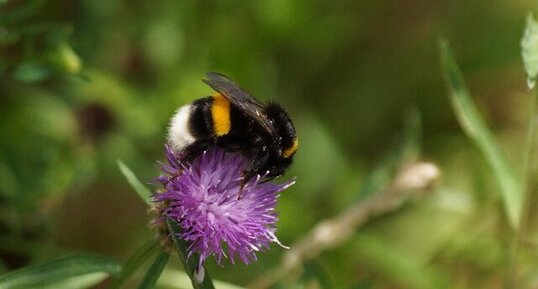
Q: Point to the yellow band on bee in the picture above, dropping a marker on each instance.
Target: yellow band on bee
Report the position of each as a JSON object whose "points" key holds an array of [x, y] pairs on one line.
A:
{"points": [[220, 113], [291, 150]]}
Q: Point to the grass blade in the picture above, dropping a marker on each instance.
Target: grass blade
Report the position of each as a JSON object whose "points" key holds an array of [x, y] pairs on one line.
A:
{"points": [[190, 263], [133, 263], [58, 270], [475, 127], [140, 188], [155, 271], [78, 282]]}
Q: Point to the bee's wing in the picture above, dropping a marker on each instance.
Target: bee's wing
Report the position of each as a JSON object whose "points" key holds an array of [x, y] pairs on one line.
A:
{"points": [[240, 98]]}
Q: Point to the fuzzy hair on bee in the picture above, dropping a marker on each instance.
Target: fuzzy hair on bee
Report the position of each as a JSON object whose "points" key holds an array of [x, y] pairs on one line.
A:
{"points": [[236, 121]]}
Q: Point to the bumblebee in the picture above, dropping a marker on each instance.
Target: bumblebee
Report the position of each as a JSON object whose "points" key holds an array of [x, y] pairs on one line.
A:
{"points": [[237, 122]]}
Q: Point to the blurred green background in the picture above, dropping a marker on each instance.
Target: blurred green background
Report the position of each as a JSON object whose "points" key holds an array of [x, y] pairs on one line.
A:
{"points": [[85, 83]]}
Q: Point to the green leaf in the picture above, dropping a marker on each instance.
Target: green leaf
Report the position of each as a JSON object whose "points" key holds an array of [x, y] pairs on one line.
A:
{"points": [[142, 190], [189, 263], [58, 270], [476, 129], [155, 271], [65, 59], [79, 282], [133, 263], [31, 72]]}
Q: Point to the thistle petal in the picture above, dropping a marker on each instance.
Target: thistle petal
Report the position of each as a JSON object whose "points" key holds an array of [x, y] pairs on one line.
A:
{"points": [[202, 198]]}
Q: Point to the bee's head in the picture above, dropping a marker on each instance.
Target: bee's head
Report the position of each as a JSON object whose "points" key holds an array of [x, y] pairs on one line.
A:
{"points": [[286, 136], [278, 167]]}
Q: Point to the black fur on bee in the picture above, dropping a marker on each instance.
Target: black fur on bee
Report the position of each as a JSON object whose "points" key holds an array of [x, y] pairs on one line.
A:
{"points": [[237, 122]]}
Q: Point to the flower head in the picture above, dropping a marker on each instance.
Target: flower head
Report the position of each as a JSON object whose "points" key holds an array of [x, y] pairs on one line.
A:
{"points": [[202, 197]]}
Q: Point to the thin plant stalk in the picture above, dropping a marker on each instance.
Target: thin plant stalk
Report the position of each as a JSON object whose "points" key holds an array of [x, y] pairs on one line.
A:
{"points": [[192, 265], [526, 185]]}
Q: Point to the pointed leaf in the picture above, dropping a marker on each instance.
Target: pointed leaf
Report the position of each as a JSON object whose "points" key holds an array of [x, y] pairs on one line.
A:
{"points": [[133, 263], [475, 127], [58, 270], [155, 271], [78, 282], [140, 188]]}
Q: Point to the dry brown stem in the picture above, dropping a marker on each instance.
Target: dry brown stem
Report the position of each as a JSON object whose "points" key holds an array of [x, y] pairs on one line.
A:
{"points": [[410, 181]]}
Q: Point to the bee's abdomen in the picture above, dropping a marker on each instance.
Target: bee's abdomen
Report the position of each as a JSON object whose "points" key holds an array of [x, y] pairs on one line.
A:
{"points": [[201, 120], [220, 115], [285, 129], [210, 117], [179, 133]]}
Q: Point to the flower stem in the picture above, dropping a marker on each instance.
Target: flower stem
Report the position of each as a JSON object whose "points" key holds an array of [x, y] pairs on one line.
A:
{"points": [[190, 263], [526, 185], [530, 143]]}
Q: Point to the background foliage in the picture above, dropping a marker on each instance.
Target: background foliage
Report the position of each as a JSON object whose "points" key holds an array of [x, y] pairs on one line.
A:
{"points": [[85, 83]]}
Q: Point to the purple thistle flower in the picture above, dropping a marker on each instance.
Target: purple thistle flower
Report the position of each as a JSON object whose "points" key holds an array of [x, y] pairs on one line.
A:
{"points": [[202, 197]]}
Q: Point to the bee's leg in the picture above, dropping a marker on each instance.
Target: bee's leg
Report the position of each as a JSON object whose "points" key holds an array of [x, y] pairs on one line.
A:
{"points": [[179, 171], [247, 175], [242, 186], [174, 176], [257, 167], [261, 164]]}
